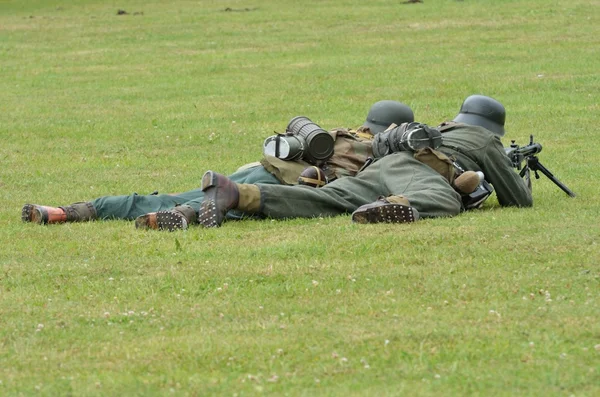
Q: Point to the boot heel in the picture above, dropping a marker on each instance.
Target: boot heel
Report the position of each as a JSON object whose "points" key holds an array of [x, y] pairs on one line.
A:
{"points": [[209, 179]]}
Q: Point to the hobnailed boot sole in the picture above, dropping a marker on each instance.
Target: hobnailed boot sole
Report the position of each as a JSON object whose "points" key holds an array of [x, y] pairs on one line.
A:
{"points": [[162, 220], [208, 209], [34, 214], [385, 213], [210, 215]]}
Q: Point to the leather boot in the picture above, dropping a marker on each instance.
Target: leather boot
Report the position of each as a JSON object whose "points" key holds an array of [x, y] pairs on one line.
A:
{"points": [[467, 182], [179, 218], [391, 209], [42, 214], [221, 195]]}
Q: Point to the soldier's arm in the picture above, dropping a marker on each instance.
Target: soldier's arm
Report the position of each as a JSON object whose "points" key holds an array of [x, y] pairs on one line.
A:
{"points": [[510, 188]]}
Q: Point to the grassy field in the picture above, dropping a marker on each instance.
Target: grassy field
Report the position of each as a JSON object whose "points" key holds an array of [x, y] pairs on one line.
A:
{"points": [[499, 301]]}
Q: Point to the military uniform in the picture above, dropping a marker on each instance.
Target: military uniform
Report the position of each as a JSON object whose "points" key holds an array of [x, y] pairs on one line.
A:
{"points": [[177, 211], [477, 149], [131, 206], [397, 174], [351, 150], [400, 174]]}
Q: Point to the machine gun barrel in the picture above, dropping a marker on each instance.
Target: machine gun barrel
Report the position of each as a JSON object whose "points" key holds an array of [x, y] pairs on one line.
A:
{"points": [[530, 150], [517, 153]]}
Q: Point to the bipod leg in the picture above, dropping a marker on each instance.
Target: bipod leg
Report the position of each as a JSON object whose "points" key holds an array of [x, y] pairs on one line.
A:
{"points": [[535, 165]]}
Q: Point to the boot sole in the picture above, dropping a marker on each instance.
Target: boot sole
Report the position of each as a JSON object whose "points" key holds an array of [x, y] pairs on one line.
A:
{"points": [[386, 213], [171, 221], [208, 210], [34, 214], [165, 220]]}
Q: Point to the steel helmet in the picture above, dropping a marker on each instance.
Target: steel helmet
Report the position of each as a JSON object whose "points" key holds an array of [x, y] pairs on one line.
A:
{"points": [[483, 111], [385, 113]]}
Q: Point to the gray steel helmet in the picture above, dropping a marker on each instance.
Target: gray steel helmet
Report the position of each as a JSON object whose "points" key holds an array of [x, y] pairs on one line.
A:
{"points": [[483, 111], [385, 113]]}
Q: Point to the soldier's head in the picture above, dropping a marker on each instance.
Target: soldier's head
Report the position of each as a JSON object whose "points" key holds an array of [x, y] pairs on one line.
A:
{"points": [[385, 113], [483, 111]]}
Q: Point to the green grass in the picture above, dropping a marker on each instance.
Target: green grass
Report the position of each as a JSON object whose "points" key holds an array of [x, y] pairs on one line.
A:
{"points": [[500, 301]]}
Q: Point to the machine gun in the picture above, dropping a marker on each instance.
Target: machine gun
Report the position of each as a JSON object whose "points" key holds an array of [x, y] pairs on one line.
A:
{"points": [[517, 154]]}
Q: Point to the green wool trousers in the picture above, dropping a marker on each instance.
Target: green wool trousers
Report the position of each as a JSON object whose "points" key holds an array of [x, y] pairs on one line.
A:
{"points": [[133, 205], [396, 174]]}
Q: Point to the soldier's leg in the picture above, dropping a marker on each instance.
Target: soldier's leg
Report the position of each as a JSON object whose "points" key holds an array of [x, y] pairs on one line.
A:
{"points": [[341, 196], [177, 218], [131, 206], [184, 215], [416, 190], [134, 205], [41, 214], [391, 209], [398, 174], [107, 207], [277, 201], [333, 199], [425, 189], [252, 175]]}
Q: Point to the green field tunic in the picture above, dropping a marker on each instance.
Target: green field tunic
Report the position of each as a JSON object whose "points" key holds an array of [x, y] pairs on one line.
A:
{"points": [[396, 174], [477, 149]]}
